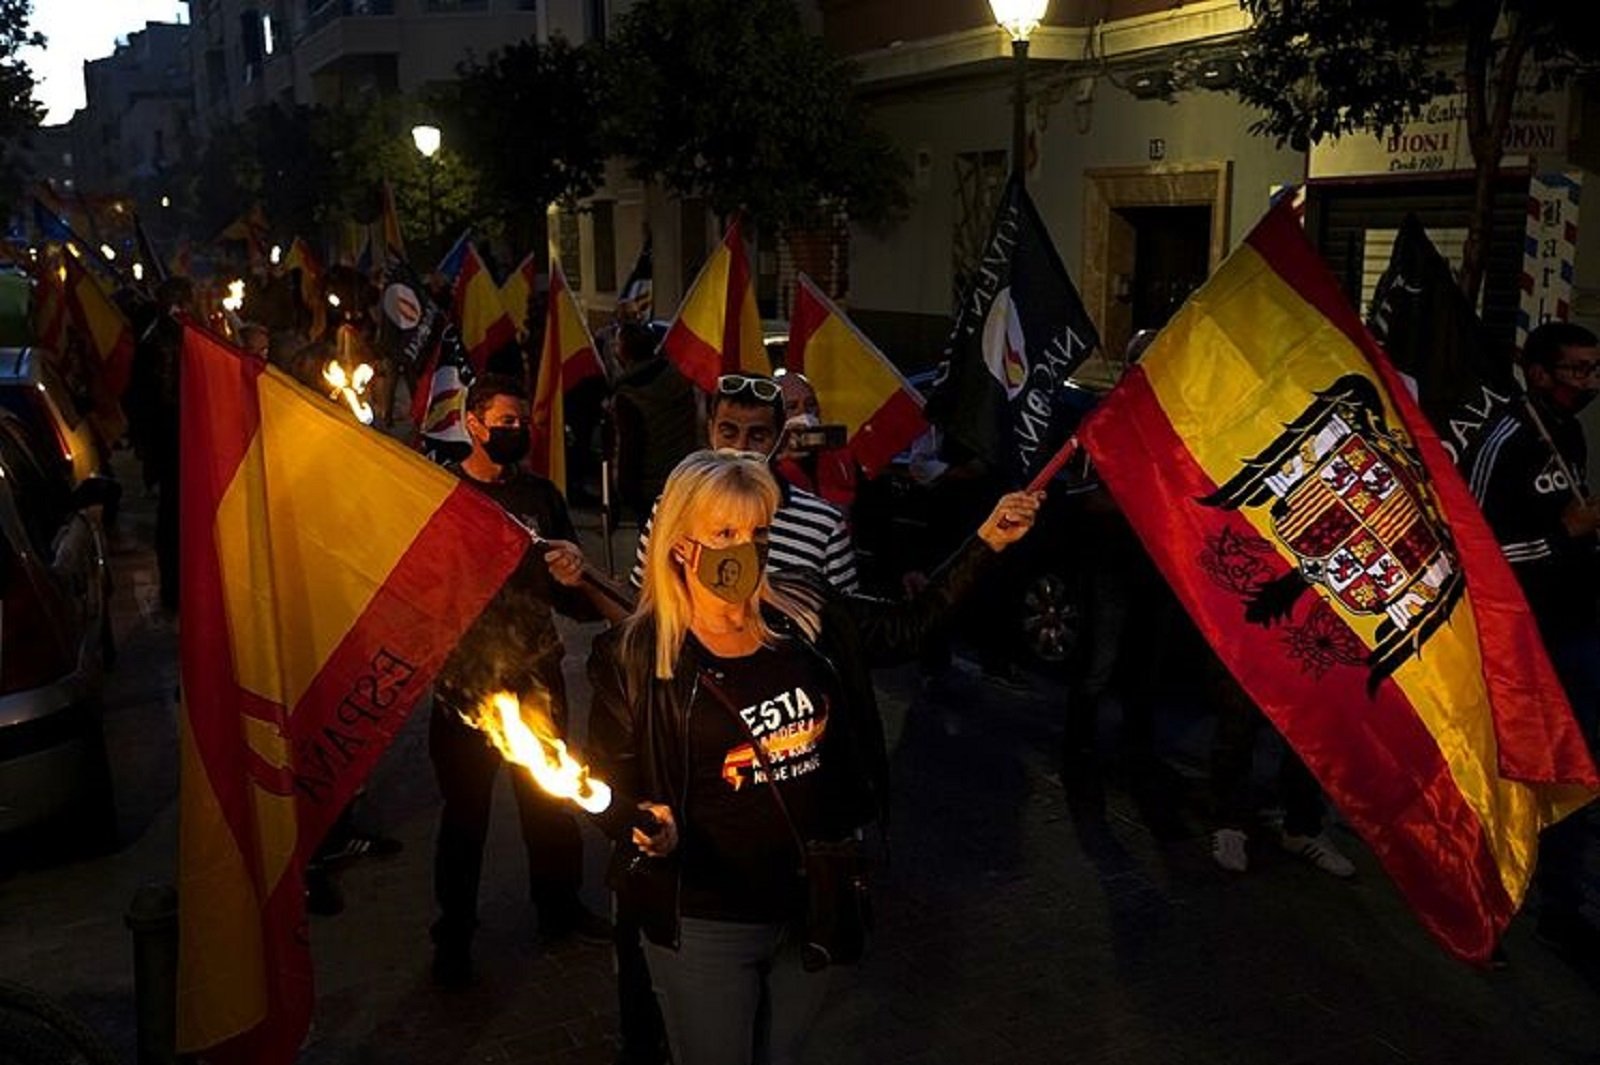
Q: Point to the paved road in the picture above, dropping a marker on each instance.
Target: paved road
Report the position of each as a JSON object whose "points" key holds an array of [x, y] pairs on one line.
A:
{"points": [[1008, 932]]}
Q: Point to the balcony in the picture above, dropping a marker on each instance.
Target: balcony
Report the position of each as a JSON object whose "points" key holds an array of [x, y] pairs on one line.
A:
{"points": [[329, 10]]}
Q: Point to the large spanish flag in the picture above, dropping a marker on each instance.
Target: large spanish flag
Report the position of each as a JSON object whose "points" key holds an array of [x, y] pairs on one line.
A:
{"points": [[568, 358], [855, 384], [1304, 510], [485, 326], [718, 329], [327, 572]]}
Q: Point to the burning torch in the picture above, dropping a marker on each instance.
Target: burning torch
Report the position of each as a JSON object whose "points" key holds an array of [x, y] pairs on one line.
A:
{"points": [[350, 387]]}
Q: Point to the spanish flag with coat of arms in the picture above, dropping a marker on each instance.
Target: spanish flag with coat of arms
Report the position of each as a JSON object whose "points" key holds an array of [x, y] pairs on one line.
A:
{"points": [[1304, 510], [327, 573]]}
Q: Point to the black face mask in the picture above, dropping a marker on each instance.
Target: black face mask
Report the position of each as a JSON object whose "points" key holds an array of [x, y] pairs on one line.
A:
{"points": [[507, 444]]}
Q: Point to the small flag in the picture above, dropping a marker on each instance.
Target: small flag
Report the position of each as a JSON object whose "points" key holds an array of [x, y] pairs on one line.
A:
{"points": [[456, 257], [312, 277], [569, 357], [439, 406], [1303, 509], [102, 324], [717, 329], [485, 326], [147, 251], [394, 243], [1425, 324], [1020, 332], [327, 573], [855, 384], [635, 300], [518, 290], [251, 230]]}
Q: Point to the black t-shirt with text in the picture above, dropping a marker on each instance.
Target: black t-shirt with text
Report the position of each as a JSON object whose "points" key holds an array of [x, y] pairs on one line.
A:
{"points": [[741, 862]]}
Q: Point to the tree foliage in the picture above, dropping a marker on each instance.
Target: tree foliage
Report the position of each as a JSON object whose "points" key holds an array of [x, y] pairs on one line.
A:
{"points": [[1321, 68], [527, 119], [20, 113], [733, 101]]}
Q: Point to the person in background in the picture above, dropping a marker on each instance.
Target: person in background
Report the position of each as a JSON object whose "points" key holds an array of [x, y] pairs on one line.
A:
{"points": [[654, 418], [719, 660], [256, 341], [152, 405], [829, 473], [513, 646], [1528, 473]]}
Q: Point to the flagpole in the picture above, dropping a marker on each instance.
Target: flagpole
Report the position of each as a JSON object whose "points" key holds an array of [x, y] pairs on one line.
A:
{"points": [[1555, 452]]}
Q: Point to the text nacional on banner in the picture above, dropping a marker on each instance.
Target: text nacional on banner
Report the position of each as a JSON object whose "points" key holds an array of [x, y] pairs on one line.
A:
{"points": [[485, 326], [569, 357], [327, 573], [718, 329], [1307, 515], [856, 385]]}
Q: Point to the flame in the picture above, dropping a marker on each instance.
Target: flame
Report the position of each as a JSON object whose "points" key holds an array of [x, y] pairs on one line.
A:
{"points": [[350, 388], [235, 297], [536, 747]]}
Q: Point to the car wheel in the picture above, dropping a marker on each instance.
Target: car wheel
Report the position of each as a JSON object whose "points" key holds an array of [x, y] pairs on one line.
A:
{"points": [[1052, 618]]}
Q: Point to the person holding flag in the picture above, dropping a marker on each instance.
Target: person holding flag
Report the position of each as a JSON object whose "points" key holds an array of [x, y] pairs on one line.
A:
{"points": [[513, 646], [1528, 474]]}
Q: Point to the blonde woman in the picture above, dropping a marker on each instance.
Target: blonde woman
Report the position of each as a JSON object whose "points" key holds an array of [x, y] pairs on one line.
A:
{"points": [[717, 661]]}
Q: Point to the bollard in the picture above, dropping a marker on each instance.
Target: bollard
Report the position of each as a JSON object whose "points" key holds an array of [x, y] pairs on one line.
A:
{"points": [[152, 917]]}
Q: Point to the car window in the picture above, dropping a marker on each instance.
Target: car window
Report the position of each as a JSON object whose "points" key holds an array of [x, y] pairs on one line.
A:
{"points": [[41, 508]]}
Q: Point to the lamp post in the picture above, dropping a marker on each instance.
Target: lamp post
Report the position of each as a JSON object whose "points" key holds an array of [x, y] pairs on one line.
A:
{"points": [[427, 140], [1019, 18]]}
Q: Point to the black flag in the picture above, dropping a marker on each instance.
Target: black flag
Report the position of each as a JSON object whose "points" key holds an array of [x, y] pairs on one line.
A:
{"points": [[1423, 320], [1019, 333]]}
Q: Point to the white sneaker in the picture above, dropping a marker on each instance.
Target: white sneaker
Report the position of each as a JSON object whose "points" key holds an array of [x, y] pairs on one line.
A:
{"points": [[1227, 850], [1320, 852]]}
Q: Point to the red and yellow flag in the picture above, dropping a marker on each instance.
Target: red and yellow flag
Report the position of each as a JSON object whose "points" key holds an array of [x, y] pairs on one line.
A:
{"points": [[104, 327], [50, 300], [718, 329], [855, 384], [327, 573], [485, 326], [568, 357], [394, 242], [1282, 477], [301, 257], [517, 290]]}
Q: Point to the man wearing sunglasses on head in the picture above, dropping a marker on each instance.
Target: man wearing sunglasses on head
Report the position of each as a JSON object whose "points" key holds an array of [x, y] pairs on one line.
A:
{"points": [[809, 535], [1533, 492]]}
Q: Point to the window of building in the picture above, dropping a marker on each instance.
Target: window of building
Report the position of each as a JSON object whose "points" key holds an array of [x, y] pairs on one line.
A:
{"points": [[457, 5], [594, 20], [602, 216]]}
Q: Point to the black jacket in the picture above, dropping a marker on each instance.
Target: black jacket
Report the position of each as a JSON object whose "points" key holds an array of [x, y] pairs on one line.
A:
{"points": [[638, 724]]}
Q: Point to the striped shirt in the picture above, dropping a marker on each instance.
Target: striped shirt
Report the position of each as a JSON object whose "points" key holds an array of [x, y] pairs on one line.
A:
{"points": [[808, 538]]}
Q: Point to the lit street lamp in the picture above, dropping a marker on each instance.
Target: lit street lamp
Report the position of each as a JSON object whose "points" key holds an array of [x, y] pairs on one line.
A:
{"points": [[427, 140], [1019, 18]]}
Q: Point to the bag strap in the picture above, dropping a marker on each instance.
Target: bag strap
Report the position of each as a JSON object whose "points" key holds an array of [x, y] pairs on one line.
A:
{"points": [[721, 697]]}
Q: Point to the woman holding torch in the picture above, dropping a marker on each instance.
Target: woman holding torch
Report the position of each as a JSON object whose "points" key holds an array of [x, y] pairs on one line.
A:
{"points": [[737, 713]]}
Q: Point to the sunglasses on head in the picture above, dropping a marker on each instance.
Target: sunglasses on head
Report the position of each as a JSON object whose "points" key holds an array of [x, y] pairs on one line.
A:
{"points": [[764, 389]]}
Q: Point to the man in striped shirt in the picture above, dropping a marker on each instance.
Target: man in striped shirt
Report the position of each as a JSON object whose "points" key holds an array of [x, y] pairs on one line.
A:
{"points": [[809, 535]]}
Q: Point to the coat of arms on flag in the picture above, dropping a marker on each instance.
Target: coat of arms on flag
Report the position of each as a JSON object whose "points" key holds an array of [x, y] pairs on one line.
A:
{"points": [[1347, 495]]}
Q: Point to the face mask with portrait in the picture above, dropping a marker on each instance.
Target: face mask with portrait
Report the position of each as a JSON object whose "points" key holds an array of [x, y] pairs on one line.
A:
{"points": [[732, 574]]}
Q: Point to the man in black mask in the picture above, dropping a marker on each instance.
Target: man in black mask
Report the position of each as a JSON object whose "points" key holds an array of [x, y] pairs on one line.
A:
{"points": [[1528, 474], [513, 646]]}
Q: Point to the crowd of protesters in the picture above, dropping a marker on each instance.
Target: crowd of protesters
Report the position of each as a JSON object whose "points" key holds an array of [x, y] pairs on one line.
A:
{"points": [[757, 535]]}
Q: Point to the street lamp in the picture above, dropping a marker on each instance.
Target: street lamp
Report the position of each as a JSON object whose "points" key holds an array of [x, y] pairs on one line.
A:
{"points": [[1019, 18], [427, 139]]}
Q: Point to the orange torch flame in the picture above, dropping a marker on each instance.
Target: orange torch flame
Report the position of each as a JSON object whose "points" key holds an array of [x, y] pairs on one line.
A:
{"points": [[546, 757], [350, 388]]}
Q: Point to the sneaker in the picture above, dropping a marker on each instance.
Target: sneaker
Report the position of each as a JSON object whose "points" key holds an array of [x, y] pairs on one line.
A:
{"points": [[1227, 850], [1320, 852], [452, 966], [360, 845], [575, 922]]}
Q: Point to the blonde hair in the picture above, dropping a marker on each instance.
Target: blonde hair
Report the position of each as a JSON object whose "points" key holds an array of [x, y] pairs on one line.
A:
{"points": [[737, 489]]}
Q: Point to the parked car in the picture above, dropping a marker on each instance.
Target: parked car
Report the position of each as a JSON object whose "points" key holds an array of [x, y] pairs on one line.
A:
{"points": [[31, 389], [53, 566]]}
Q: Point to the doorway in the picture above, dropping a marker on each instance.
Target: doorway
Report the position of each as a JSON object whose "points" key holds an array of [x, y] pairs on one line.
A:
{"points": [[1152, 235]]}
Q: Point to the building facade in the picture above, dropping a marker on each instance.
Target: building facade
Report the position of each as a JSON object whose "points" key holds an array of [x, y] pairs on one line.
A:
{"points": [[137, 122]]}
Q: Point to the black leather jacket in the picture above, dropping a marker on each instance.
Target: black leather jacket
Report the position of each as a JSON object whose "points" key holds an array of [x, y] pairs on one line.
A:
{"points": [[638, 723]]}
